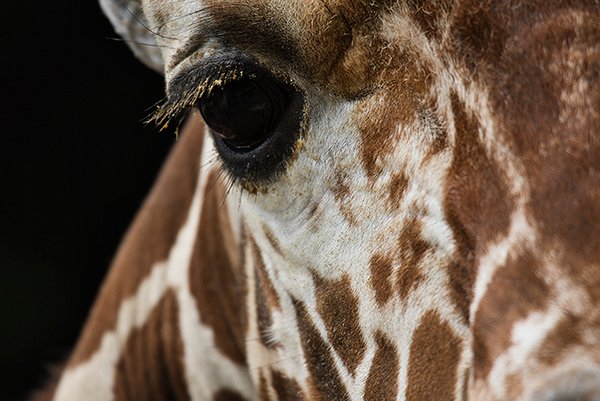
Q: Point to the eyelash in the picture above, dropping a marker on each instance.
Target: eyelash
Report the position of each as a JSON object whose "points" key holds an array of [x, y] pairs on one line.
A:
{"points": [[179, 103]]}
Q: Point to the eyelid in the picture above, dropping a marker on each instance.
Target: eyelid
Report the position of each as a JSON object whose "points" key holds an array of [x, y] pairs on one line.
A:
{"points": [[192, 83]]}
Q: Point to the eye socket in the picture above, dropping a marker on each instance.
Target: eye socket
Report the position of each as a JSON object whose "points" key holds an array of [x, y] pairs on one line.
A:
{"points": [[255, 117], [244, 112]]}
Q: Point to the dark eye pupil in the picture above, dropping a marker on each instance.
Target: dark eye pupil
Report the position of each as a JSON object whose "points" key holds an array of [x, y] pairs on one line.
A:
{"points": [[244, 112]]}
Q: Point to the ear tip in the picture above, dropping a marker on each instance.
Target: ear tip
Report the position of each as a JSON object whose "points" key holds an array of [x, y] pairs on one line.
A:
{"points": [[129, 22]]}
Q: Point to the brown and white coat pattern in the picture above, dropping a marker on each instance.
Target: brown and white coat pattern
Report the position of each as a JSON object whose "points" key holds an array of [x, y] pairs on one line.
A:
{"points": [[436, 235]]}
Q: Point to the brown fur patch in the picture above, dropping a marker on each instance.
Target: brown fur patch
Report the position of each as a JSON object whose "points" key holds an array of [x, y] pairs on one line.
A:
{"points": [[286, 388], [338, 307], [263, 388], [357, 66], [434, 357], [477, 33], [382, 382], [149, 238], [551, 117], [325, 381], [381, 278], [342, 194], [429, 14], [460, 281], [411, 249], [266, 285], [478, 204], [515, 291], [151, 366], [403, 93], [478, 193], [266, 297], [216, 279], [397, 186], [567, 333], [335, 43], [228, 395]]}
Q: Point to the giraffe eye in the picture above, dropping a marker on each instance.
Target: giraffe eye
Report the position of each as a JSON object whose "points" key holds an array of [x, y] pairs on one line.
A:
{"points": [[244, 112], [255, 117]]}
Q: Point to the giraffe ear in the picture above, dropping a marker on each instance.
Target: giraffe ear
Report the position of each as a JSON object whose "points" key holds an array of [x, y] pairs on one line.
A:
{"points": [[128, 20]]}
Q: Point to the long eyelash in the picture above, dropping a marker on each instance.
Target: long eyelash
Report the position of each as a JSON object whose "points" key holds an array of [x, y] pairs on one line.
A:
{"points": [[171, 108], [182, 99]]}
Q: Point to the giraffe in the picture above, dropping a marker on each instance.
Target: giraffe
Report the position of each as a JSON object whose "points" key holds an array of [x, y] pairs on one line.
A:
{"points": [[370, 200]]}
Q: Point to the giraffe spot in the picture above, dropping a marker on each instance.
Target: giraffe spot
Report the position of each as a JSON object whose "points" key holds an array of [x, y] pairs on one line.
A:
{"points": [[566, 334], [325, 381], [342, 194], [397, 186], [151, 366], [400, 101], [411, 250], [381, 278], [338, 307], [382, 382], [263, 388], [434, 357], [478, 204], [460, 286], [551, 118], [516, 290], [215, 275], [286, 388], [228, 395], [148, 240], [478, 196], [266, 297], [477, 33]]}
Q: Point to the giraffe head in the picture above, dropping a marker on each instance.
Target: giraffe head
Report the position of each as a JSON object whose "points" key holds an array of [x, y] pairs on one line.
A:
{"points": [[414, 187]]}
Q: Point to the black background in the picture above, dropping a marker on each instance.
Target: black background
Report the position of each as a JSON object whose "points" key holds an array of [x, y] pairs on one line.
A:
{"points": [[75, 164]]}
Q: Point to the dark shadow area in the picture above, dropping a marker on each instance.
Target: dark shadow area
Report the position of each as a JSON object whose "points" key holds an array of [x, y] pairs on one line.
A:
{"points": [[76, 163]]}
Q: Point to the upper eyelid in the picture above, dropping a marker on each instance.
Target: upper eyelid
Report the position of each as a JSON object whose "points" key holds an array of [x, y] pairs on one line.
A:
{"points": [[192, 82]]}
